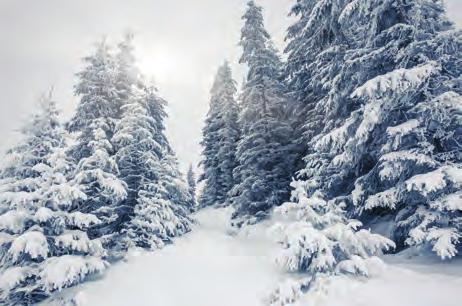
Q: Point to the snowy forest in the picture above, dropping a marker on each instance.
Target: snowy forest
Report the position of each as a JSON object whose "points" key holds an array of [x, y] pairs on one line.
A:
{"points": [[331, 175]]}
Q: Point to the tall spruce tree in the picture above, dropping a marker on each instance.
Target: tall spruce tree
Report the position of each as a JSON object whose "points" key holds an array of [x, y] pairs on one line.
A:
{"points": [[315, 51], [265, 153], [94, 123], [158, 201], [44, 245], [141, 150], [407, 159], [138, 154], [220, 136], [133, 132], [390, 143]]}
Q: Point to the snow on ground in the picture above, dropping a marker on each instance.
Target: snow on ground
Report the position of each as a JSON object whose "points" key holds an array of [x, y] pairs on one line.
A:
{"points": [[403, 282], [210, 267], [207, 267]]}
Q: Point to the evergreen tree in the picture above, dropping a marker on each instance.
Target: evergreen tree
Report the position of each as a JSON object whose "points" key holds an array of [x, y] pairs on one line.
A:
{"points": [[44, 245], [191, 180], [158, 200], [220, 136], [315, 50], [133, 138], [265, 153], [138, 154], [379, 84], [94, 123], [162, 208], [320, 241], [142, 149], [390, 143]]}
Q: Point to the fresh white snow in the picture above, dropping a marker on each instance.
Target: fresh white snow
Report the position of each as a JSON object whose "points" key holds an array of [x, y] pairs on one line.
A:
{"points": [[213, 267], [207, 267], [402, 282]]}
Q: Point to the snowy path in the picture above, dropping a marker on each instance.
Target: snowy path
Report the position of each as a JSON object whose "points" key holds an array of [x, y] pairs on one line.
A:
{"points": [[208, 267], [204, 268]]}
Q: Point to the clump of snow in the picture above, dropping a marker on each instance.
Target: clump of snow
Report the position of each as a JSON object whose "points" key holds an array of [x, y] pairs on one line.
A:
{"points": [[109, 183], [350, 8], [372, 115], [442, 106], [43, 214], [387, 198], [392, 164], [13, 220], [78, 241], [342, 159], [288, 291], [454, 174], [64, 195], [19, 199], [445, 241], [435, 180], [337, 138], [33, 243], [403, 128], [397, 81], [82, 220], [41, 168], [450, 202], [427, 183], [13, 276], [66, 270]]}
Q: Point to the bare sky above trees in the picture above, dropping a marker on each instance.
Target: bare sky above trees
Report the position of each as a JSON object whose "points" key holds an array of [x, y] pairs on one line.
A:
{"points": [[180, 44]]}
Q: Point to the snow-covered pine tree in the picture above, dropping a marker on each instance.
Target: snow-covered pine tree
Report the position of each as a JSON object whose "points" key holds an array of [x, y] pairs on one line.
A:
{"points": [[319, 241], [94, 123], [315, 51], [155, 187], [265, 152], [220, 137], [391, 142], [138, 154], [44, 246], [191, 180], [133, 138], [162, 208], [147, 218]]}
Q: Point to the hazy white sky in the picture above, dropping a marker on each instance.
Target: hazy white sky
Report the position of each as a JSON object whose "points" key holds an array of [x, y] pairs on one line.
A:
{"points": [[180, 43]]}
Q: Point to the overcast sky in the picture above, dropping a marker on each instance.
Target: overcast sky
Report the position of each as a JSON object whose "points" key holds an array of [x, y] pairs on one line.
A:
{"points": [[179, 42]]}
